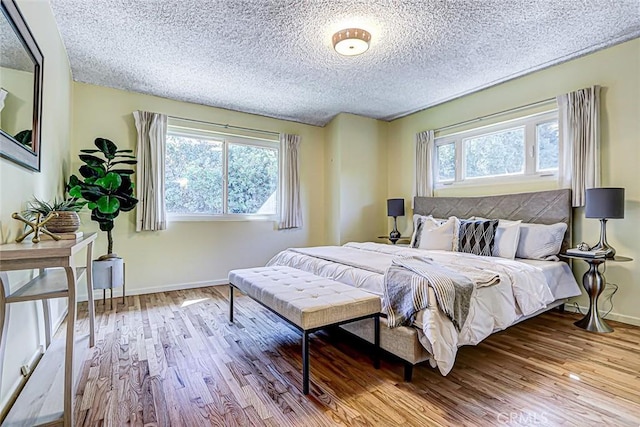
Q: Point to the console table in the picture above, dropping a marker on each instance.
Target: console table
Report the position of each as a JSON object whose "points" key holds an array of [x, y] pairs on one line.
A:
{"points": [[47, 397], [594, 283]]}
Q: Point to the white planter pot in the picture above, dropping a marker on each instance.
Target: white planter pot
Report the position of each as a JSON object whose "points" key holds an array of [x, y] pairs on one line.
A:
{"points": [[108, 274]]}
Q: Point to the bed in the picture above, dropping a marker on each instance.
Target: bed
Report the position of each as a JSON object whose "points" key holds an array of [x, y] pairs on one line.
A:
{"points": [[526, 287]]}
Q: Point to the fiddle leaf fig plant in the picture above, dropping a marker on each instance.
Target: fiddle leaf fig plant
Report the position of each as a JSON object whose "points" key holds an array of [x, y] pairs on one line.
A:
{"points": [[105, 184]]}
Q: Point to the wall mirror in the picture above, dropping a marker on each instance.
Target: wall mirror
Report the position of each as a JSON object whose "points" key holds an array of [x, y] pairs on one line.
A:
{"points": [[20, 89]]}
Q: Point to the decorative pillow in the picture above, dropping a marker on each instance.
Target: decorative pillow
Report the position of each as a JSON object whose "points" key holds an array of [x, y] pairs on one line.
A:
{"points": [[431, 234], [539, 241], [507, 238], [477, 236], [416, 220]]}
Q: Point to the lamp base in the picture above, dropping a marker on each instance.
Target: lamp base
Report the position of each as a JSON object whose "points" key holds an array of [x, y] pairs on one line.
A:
{"points": [[394, 236], [602, 245]]}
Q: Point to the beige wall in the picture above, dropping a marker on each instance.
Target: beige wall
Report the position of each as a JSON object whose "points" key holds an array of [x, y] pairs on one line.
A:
{"points": [[333, 156], [193, 253], [356, 178], [18, 185], [617, 70]]}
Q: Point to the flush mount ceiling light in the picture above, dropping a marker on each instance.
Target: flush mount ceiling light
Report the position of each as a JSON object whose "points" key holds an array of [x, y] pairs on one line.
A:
{"points": [[351, 41]]}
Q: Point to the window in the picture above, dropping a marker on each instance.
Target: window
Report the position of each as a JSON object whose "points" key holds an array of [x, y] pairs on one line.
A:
{"points": [[213, 175], [526, 148]]}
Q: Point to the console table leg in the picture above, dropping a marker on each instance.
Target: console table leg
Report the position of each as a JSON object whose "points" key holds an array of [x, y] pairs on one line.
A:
{"points": [[90, 304], [69, 348], [4, 319]]}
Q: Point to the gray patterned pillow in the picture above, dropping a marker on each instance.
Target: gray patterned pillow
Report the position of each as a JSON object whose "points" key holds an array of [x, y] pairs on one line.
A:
{"points": [[477, 237]]}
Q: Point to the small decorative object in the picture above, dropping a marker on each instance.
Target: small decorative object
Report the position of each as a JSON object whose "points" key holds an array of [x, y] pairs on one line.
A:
{"points": [[37, 226], [583, 246], [67, 220], [604, 203], [395, 208]]}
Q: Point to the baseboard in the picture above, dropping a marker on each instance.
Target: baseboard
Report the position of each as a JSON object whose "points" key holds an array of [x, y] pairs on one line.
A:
{"points": [[12, 390], [164, 288], [631, 320]]}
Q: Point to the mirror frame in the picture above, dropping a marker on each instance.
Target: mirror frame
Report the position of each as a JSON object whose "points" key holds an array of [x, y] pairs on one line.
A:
{"points": [[9, 147]]}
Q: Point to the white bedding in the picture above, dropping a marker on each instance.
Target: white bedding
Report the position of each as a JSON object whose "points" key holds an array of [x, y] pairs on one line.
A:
{"points": [[559, 277], [524, 288]]}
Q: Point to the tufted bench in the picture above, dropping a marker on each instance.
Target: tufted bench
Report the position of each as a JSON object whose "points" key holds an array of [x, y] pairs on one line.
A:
{"points": [[307, 301]]}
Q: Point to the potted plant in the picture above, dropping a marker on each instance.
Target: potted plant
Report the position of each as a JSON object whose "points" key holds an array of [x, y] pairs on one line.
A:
{"points": [[67, 220], [107, 188]]}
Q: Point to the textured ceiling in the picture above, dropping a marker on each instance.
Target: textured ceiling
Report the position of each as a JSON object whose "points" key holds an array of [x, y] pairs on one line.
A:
{"points": [[275, 58]]}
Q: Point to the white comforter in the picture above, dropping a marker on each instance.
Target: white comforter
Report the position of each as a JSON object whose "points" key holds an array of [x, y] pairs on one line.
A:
{"points": [[522, 291]]}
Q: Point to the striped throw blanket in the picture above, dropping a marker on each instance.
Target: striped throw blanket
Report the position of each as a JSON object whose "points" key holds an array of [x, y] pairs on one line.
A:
{"points": [[407, 283]]}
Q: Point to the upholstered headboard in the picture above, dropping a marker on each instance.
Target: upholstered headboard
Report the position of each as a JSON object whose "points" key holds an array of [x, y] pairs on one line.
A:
{"points": [[542, 207]]}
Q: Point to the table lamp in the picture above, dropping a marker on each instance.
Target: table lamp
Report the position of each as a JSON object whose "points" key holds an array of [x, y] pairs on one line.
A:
{"points": [[395, 208], [604, 203]]}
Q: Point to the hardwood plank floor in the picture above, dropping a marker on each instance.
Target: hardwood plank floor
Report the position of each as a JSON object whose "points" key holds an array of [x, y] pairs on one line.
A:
{"points": [[173, 359]]}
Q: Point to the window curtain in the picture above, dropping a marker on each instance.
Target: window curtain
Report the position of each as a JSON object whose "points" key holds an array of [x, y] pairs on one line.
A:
{"points": [[290, 210], [424, 170], [579, 123], [151, 213]]}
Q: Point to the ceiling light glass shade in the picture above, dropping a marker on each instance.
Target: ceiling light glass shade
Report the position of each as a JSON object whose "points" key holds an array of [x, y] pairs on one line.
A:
{"points": [[351, 41]]}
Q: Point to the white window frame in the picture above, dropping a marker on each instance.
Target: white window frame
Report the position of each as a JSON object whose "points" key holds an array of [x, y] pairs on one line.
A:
{"points": [[226, 139], [529, 174]]}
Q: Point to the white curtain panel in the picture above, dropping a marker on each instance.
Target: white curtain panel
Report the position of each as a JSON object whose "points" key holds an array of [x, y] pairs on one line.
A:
{"points": [[290, 206], [424, 171], [151, 213], [579, 166]]}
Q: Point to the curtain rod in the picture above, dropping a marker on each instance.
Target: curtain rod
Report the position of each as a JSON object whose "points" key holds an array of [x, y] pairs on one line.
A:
{"points": [[500, 113], [226, 126]]}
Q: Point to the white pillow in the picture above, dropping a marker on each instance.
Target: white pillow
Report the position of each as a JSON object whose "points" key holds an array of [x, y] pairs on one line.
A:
{"points": [[507, 239], [539, 241], [431, 234], [505, 244]]}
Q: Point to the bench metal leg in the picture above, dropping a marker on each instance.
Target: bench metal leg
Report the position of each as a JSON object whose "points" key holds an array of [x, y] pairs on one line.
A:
{"points": [[376, 340], [305, 362], [231, 303]]}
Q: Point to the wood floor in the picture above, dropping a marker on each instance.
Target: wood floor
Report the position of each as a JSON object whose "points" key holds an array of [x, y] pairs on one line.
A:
{"points": [[174, 359]]}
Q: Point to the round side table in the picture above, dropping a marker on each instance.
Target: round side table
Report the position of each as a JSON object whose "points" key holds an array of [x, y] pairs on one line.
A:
{"points": [[594, 283], [401, 240]]}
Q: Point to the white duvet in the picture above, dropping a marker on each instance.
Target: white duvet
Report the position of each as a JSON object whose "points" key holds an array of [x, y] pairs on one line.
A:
{"points": [[522, 291]]}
